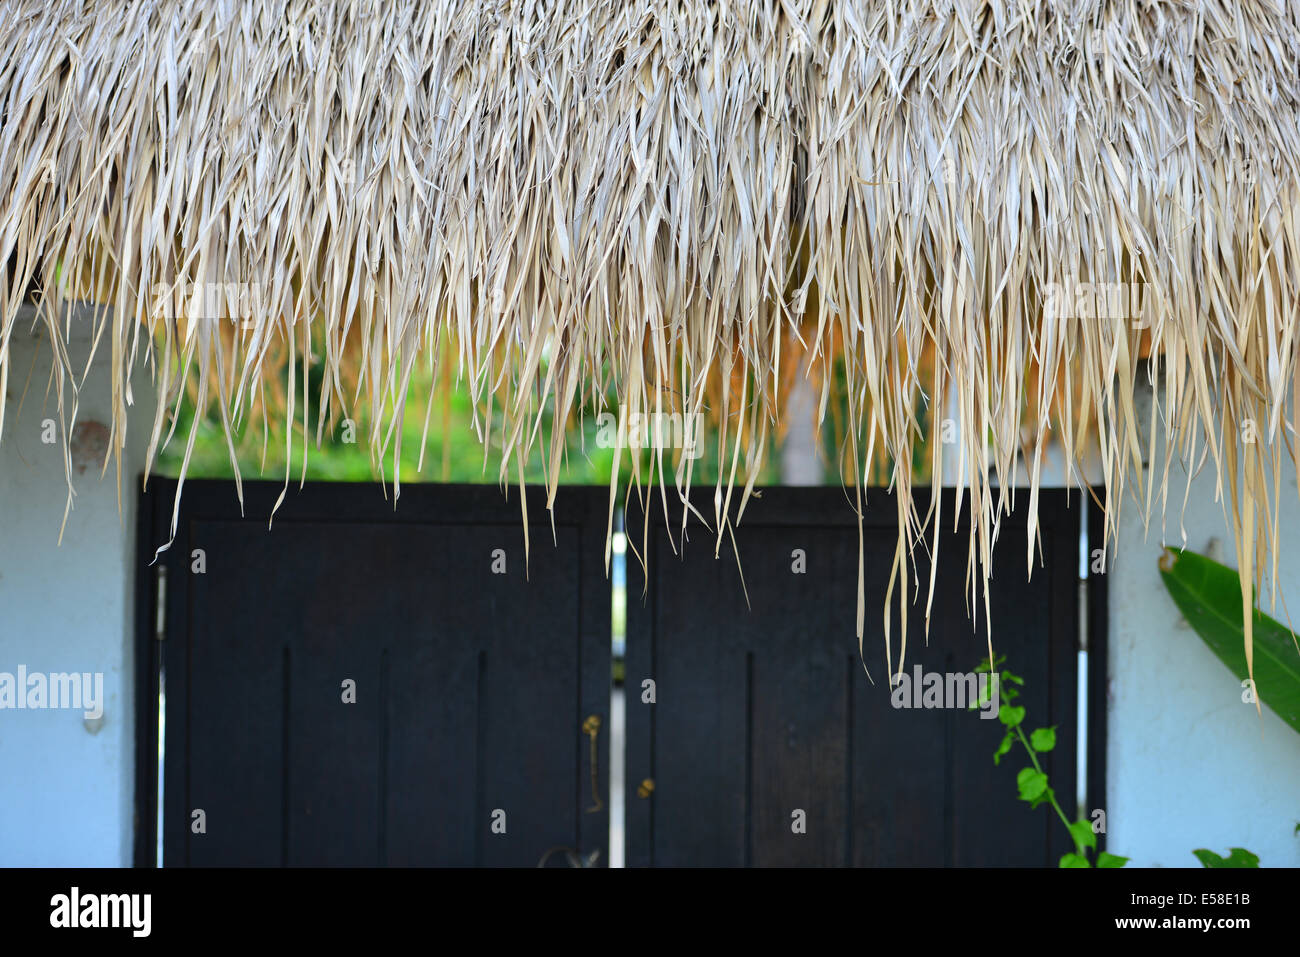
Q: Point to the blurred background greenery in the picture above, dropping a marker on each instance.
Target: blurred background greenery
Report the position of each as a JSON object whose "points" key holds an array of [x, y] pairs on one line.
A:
{"points": [[440, 422], [453, 451]]}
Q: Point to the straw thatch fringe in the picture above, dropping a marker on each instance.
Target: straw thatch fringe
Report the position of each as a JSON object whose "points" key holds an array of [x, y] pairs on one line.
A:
{"points": [[656, 196]]}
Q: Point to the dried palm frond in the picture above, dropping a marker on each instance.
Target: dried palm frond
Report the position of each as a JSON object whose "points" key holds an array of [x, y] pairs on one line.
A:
{"points": [[558, 200]]}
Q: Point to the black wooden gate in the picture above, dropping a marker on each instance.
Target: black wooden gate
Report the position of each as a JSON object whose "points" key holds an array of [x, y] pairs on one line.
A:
{"points": [[369, 685], [365, 685], [768, 744]]}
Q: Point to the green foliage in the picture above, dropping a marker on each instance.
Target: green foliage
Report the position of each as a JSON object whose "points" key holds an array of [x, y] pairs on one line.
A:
{"points": [[1032, 782], [1083, 834], [452, 450], [1237, 857], [1044, 739], [1035, 788], [1008, 740], [1209, 596]]}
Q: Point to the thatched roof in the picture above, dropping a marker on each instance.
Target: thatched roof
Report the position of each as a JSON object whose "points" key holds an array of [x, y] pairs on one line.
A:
{"points": [[658, 196]]}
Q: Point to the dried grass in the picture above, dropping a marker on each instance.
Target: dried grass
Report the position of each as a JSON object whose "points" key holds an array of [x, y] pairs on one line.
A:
{"points": [[666, 192]]}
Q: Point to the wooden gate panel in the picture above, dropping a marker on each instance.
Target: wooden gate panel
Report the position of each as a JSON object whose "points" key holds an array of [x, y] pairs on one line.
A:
{"points": [[471, 687], [764, 712]]}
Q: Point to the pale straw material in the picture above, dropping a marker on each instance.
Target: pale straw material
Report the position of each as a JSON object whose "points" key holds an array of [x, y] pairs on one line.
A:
{"points": [[659, 197]]}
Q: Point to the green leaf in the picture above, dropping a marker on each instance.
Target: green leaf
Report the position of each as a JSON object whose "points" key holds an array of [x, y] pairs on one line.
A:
{"points": [[1008, 740], [1209, 596], [1106, 859], [1083, 835], [1044, 739], [982, 699], [1240, 857], [1074, 860], [1043, 798], [1237, 857], [1031, 783], [1011, 716]]}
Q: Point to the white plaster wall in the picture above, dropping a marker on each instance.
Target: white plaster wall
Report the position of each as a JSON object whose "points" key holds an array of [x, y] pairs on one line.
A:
{"points": [[66, 792], [1188, 764]]}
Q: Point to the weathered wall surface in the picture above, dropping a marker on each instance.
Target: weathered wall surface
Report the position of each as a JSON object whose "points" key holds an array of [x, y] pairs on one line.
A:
{"points": [[1189, 764], [66, 782]]}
